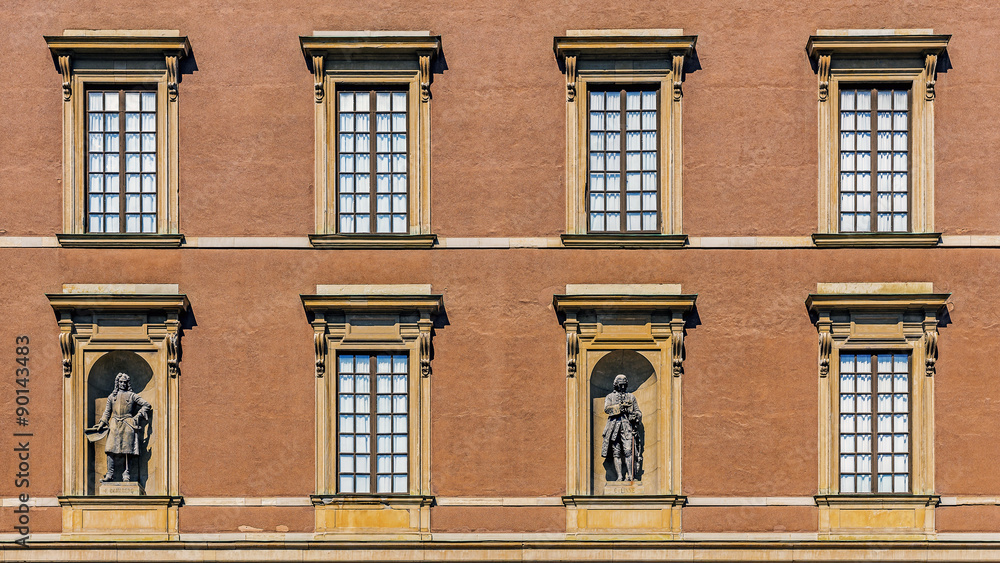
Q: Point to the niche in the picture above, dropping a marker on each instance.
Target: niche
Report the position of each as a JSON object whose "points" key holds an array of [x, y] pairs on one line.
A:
{"points": [[642, 382], [100, 383]]}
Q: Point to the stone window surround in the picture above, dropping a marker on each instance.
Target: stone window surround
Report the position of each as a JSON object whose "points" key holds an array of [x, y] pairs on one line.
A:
{"points": [[911, 56], [82, 312], [120, 57], [599, 317], [350, 58], [373, 318], [892, 317], [617, 56]]}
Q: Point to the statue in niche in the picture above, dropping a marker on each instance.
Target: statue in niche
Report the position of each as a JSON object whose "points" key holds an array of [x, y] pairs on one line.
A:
{"points": [[121, 423], [621, 433]]}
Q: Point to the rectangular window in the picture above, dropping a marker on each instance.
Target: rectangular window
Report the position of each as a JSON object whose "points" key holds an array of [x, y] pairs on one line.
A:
{"points": [[874, 423], [622, 194], [359, 404], [874, 159], [372, 131], [121, 161]]}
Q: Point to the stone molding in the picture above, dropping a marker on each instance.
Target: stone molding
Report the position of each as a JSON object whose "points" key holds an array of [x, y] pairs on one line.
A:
{"points": [[91, 326], [876, 322], [382, 322], [653, 326], [125, 57], [614, 57], [403, 59], [862, 56]]}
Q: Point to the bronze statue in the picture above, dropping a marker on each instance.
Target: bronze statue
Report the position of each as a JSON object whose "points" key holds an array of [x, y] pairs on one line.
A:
{"points": [[622, 435], [121, 423]]}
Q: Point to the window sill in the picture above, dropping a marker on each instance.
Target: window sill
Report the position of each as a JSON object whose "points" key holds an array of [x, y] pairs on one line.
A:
{"points": [[875, 240], [127, 240], [623, 241], [902, 500], [372, 241]]}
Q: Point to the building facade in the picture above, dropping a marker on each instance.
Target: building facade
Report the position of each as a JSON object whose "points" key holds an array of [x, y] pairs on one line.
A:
{"points": [[374, 273]]}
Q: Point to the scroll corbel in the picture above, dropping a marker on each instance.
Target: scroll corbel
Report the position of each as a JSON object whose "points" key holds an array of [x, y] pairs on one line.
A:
{"points": [[425, 77], [570, 78], [930, 351], [425, 325], [677, 77], [319, 340], [172, 72], [930, 69], [318, 72], [173, 354], [824, 77], [677, 344], [65, 67], [66, 344], [825, 349]]}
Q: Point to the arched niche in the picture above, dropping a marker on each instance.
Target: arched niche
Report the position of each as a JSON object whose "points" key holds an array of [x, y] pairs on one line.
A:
{"points": [[642, 382], [100, 384]]}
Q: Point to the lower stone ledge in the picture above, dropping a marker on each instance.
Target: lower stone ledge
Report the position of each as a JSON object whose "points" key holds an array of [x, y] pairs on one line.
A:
{"points": [[624, 517], [373, 517], [120, 240], [874, 240], [120, 518], [877, 517], [372, 241], [623, 240]]}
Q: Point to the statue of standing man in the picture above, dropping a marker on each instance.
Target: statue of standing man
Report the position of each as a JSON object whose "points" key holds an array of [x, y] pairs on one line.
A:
{"points": [[621, 433], [122, 419]]}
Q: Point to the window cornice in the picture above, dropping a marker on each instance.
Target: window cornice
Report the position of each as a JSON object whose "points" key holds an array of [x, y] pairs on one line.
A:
{"points": [[915, 44], [609, 46]]}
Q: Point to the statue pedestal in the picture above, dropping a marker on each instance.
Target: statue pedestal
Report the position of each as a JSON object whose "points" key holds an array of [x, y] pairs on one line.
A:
{"points": [[624, 488], [120, 489]]}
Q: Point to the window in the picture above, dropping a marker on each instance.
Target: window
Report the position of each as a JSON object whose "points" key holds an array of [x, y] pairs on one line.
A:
{"points": [[623, 160], [359, 405], [373, 369], [636, 330], [874, 423], [120, 154], [121, 133], [877, 364], [372, 92], [874, 168], [371, 128], [876, 149]]}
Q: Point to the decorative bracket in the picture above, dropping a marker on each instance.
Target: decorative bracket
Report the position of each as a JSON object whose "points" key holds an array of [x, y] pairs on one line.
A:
{"points": [[570, 78], [66, 68], [319, 341], [677, 342], [172, 73], [425, 325], [677, 76], [173, 354], [572, 343], [930, 343], [319, 68], [930, 68], [425, 77], [823, 64], [825, 326], [67, 345]]}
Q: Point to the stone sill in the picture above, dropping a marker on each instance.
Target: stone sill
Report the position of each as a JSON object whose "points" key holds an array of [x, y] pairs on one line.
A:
{"points": [[878, 501], [95, 240], [363, 500], [597, 501], [876, 240], [372, 241], [623, 241]]}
